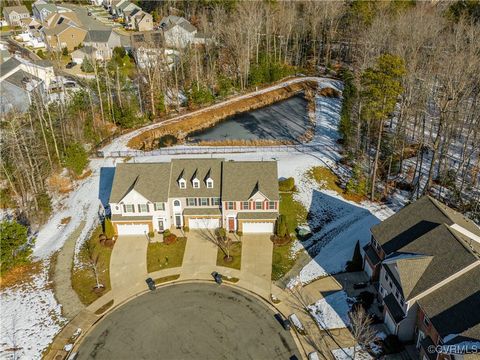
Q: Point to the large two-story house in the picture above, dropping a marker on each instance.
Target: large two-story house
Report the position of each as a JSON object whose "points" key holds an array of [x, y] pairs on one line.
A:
{"points": [[414, 257], [197, 193]]}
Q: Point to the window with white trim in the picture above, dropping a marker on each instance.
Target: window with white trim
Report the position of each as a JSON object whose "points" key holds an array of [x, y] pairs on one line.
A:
{"points": [[142, 208], [159, 206], [230, 205], [203, 201], [258, 205], [216, 201], [210, 183], [196, 183], [176, 203], [182, 184], [271, 205], [128, 208], [191, 202], [246, 205]]}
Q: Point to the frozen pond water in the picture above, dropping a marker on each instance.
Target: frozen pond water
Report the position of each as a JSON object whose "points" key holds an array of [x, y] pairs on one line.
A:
{"points": [[283, 120]]}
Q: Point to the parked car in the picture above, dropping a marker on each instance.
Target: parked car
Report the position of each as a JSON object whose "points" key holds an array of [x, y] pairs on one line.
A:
{"points": [[286, 324], [217, 277], [150, 283], [71, 64]]}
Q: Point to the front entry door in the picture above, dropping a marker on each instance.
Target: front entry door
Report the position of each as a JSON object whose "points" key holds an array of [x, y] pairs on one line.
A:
{"points": [[231, 224], [178, 220], [160, 225]]}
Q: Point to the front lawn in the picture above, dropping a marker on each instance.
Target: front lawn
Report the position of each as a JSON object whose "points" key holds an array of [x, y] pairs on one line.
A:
{"points": [[83, 277], [296, 214], [236, 252], [161, 256]]}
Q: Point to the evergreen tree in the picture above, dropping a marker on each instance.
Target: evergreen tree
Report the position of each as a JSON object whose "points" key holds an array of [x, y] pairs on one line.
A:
{"points": [[109, 230], [281, 229], [15, 249], [356, 263]]}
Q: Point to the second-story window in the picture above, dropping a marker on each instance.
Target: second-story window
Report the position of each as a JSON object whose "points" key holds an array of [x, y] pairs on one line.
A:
{"points": [[210, 183], [426, 321], [142, 208], [258, 205], [271, 205], [191, 202], [128, 208], [159, 206], [230, 205], [196, 183], [216, 201], [203, 201], [245, 205]]}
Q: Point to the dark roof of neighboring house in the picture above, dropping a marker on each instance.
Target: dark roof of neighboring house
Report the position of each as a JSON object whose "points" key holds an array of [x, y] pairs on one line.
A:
{"points": [[21, 78], [171, 21], [432, 258], [98, 36], [454, 308], [188, 169], [372, 254], [414, 221], [149, 179], [242, 179], [393, 308], [9, 65], [20, 9]]}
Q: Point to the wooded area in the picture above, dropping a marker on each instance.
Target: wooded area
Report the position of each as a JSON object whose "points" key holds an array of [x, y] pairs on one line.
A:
{"points": [[410, 71]]}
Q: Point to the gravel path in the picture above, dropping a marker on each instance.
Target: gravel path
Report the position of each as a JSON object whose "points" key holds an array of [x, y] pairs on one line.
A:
{"points": [[62, 282]]}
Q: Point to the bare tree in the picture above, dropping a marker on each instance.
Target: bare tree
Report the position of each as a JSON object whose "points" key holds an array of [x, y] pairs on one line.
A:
{"points": [[220, 238], [362, 331], [93, 263]]}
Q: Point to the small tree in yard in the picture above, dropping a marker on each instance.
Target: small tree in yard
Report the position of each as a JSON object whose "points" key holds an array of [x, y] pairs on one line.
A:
{"points": [[93, 262], [362, 331], [357, 261], [220, 238], [109, 230], [281, 228]]}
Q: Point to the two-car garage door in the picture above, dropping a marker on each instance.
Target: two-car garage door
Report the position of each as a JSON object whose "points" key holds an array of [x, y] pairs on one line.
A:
{"points": [[258, 227], [132, 229], [204, 223]]}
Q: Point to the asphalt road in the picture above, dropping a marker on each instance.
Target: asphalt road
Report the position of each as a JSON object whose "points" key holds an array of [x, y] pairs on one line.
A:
{"points": [[190, 321]]}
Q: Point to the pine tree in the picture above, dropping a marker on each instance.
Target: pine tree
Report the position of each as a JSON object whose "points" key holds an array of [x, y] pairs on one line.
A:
{"points": [[109, 230], [357, 261]]}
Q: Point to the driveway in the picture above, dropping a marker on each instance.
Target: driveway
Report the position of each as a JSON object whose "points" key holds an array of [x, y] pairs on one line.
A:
{"points": [[190, 321], [256, 269], [128, 267], [200, 257]]}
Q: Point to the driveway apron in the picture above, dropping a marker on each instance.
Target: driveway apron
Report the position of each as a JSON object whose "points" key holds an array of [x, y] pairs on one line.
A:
{"points": [[200, 257], [128, 267]]}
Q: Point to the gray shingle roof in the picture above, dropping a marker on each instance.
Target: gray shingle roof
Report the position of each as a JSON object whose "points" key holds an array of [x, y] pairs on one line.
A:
{"points": [[245, 215], [455, 307], [9, 65], [448, 256], [20, 9], [21, 78], [395, 310], [98, 36], [199, 168], [415, 220], [243, 179], [149, 179]]}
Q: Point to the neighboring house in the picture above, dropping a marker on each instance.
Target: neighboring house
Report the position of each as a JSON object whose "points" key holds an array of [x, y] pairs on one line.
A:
{"points": [[21, 80], [116, 7], [198, 193], [15, 14], [79, 55], [65, 35], [42, 10], [178, 31], [4, 53], [58, 18], [449, 318], [415, 253], [148, 50], [139, 20], [103, 41]]}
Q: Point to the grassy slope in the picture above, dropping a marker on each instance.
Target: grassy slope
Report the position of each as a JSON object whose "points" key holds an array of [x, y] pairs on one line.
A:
{"points": [[236, 252], [161, 256]]}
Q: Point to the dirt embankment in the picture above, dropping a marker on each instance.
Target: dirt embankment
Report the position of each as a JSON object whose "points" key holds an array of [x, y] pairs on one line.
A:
{"points": [[148, 140]]}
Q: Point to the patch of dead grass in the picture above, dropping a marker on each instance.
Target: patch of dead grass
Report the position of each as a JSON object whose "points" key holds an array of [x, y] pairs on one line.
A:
{"points": [[20, 274]]}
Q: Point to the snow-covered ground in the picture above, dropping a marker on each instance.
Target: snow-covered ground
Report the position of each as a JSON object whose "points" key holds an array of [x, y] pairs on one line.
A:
{"points": [[347, 354], [30, 318], [331, 312], [338, 223]]}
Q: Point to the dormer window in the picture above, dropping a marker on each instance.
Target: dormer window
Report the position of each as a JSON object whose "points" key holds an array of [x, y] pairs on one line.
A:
{"points": [[210, 183], [196, 183], [182, 184]]}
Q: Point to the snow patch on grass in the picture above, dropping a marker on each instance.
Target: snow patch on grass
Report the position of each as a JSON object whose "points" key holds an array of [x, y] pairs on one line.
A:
{"points": [[347, 354], [331, 312]]}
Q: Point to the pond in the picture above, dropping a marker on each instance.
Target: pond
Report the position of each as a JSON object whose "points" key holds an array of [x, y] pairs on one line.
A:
{"points": [[283, 120]]}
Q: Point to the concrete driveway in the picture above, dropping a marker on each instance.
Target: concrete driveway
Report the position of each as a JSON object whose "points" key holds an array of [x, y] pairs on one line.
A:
{"points": [[200, 256], [190, 321], [128, 267]]}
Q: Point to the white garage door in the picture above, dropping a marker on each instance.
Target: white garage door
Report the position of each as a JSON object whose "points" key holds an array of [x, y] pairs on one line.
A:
{"points": [[258, 227], [204, 223], [132, 229]]}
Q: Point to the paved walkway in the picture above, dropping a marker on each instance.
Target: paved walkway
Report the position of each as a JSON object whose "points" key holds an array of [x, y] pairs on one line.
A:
{"points": [[62, 282], [128, 267]]}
